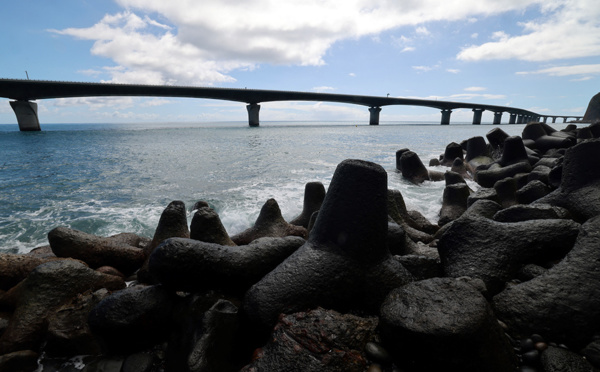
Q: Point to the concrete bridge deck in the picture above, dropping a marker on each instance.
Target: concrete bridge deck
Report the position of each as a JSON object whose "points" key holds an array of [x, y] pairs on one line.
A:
{"points": [[25, 91]]}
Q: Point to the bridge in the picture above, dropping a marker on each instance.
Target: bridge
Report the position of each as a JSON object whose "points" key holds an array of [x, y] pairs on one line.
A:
{"points": [[23, 92]]}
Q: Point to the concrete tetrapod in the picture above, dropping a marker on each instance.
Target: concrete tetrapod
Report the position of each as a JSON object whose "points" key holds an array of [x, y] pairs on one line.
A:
{"points": [[345, 264]]}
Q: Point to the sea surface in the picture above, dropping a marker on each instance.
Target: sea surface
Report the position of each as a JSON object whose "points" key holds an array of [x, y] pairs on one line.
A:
{"points": [[105, 179]]}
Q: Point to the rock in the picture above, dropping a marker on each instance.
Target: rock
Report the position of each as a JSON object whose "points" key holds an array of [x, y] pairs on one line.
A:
{"points": [[496, 138], [579, 190], [562, 304], [94, 250], [444, 324], [483, 193], [315, 341], [420, 222], [345, 264], [111, 271], [204, 340], [476, 147], [488, 177], [514, 152], [44, 290], [19, 361], [172, 224], [458, 166], [206, 227], [506, 191], [138, 362], [529, 272], [556, 359], [68, 330], [495, 251], [421, 267], [397, 239], [453, 178], [540, 173], [131, 239], [15, 267], [544, 139], [270, 223], [483, 208], [518, 213], [592, 353], [132, 319], [378, 353], [452, 152], [531, 192], [398, 157], [434, 163], [190, 265], [592, 113], [413, 168], [314, 193], [105, 364], [41, 252], [454, 202], [200, 204]]}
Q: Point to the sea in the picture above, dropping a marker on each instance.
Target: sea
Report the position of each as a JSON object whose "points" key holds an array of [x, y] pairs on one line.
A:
{"points": [[105, 179]]}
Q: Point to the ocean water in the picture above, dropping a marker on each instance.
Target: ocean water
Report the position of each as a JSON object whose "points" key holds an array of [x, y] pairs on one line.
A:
{"points": [[110, 178]]}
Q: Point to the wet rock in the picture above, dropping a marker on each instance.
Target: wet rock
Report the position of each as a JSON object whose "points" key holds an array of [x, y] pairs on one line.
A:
{"points": [[131, 239], [531, 192], [345, 264], [314, 193], [172, 224], [68, 330], [16, 267], [190, 265], [579, 190], [434, 163], [317, 340], [444, 324], [562, 304], [206, 227], [94, 250], [494, 251], [458, 166], [398, 157], [132, 319], [209, 346], [19, 361], [556, 359], [45, 289], [41, 252], [453, 178], [454, 202], [452, 152], [518, 213], [270, 223], [488, 177], [413, 168]]}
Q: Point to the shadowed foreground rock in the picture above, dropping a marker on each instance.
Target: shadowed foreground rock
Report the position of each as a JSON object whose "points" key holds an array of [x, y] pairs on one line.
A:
{"points": [[314, 193], [94, 250], [207, 227], [495, 251], [563, 304], [190, 265], [345, 264], [270, 223], [443, 324], [315, 341], [47, 287]]}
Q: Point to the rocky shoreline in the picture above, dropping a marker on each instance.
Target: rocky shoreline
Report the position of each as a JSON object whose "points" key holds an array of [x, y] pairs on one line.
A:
{"points": [[507, 280]]}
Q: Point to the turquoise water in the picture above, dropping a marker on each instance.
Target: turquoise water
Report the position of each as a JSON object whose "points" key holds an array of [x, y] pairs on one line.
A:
{"points": [[110, 178]]}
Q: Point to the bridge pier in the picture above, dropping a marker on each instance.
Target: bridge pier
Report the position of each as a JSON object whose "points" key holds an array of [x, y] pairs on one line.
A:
{"points": [[446, 116], [512, 118], [553, 119], [477, 112], [497, 117], [520, 118], [27, 117], [565, 119], [374, 117], [253, 109]]}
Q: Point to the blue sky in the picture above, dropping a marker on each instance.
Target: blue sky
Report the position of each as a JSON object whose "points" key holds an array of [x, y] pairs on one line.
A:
{"points": [[539, 55]]}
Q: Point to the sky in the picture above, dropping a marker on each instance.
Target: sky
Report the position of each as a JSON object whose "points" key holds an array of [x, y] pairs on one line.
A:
{"points": [[540, 55]]}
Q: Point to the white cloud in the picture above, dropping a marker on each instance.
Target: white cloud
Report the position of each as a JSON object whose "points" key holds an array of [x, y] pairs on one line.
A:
{"points": [[474, 35], [352, 74], [422, 68], [567, 29], [408, 49], [323, 89], [475, 89], [453, 70], [202, 42], [96, 103], [592, 69]]}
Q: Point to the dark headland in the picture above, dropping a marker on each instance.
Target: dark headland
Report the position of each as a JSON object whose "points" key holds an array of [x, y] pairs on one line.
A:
{"points": [[507, 280]]}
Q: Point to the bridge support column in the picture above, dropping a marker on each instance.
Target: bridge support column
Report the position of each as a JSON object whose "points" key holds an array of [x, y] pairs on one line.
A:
{"points": [[497, 117], [446, 116], [477, 116], [545, 119], [565, 119], [512, 118], [27, 116], [520, 118], [374, 117], [253, 109]]}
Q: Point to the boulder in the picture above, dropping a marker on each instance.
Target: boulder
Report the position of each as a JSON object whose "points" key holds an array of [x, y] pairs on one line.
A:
{"points": [[19, 361], [592, 113], [345, 264], [421, 267], [444, 324], [452, 178], [494, 251], [458, 166], [452, 152], [190, 265], [15, 267], [315, 341], [454, 202], [563, 304], [398, 157], [314, 193], [94, 250], [513, 152], [557, 359], [47, 287], [483, 193], [133, 319], [546, 138], [172, 224], [531, 192], [496, 138], [270, 223], [413, 168], [495, 173], [206, 227], [476, 147], [506, 192], [592, 353], [518, 213]]}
